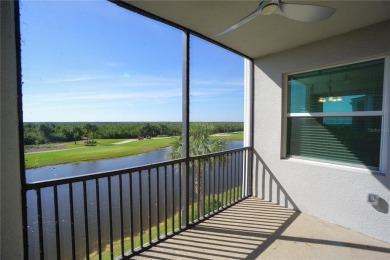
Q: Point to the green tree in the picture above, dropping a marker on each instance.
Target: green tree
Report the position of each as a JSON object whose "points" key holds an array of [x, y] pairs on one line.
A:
{"points": [[76, 131], [200, 143], [87, 128], [93, 129]]}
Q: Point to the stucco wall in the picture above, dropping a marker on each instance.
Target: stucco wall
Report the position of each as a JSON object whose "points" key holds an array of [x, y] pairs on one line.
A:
{"points": [[337, 194], [11, 205]]}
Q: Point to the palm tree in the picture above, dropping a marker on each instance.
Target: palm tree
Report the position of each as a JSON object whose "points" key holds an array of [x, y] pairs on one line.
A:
{"points": [[87, 128], [76, 133], [93, 129], [90, 129], [200, 143]]}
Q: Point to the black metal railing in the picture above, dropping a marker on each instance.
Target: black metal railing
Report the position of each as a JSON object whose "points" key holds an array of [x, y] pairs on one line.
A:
{"points": [[118, 214]]}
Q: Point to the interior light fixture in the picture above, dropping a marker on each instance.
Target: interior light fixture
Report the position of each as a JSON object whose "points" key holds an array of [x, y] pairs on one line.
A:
{"points": [[331, 98]]}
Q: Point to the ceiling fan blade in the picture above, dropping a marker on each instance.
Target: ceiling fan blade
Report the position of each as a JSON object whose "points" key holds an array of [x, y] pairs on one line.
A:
{"points": [[306, 13], [243, 20]]}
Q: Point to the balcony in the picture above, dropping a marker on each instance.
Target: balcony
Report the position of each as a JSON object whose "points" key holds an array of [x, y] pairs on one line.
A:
{"points": [[109, 215], [200, 208]]}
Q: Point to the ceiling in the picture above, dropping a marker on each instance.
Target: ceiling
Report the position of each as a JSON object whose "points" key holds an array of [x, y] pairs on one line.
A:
{"points": [[264, 35]]}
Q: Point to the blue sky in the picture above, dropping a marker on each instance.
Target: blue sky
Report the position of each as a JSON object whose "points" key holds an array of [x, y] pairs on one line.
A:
{"points": [[94, 61]]}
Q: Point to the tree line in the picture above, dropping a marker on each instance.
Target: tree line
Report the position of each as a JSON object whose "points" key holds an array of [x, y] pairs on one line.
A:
{"points": [[43, 133]]}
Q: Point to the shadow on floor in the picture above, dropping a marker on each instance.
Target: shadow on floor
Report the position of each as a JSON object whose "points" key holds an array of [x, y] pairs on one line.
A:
{"points": [[243, 231]]}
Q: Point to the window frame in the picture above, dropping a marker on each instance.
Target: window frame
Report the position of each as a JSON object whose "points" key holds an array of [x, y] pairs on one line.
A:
{"points": [[384, 114]]}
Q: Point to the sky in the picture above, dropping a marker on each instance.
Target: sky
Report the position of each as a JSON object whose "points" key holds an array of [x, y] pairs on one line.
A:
{"points": [[94, 61]]}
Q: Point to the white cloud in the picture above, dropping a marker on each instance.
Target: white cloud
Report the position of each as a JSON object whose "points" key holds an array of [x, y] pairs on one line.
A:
{"points": [[214, 91], [77, 78], [235, 83]]}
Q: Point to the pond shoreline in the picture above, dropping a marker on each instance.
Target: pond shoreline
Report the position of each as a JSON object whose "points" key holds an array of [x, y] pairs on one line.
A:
{"points": [[101, 165], [104, 149]]}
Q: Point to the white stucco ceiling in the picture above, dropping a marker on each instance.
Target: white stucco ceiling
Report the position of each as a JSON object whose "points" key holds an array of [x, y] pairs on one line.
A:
{"points": [[265, 34]]}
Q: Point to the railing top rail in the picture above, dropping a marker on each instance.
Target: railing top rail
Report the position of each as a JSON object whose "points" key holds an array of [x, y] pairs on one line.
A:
{"points": [[218, 153], [99, 175]]}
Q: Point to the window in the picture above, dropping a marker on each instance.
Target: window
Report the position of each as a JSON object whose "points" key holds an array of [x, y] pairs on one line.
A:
{"points": [[337, 114]]}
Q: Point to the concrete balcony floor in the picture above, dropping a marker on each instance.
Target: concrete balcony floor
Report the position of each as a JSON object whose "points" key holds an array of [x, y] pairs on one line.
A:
{"points": [[256, 229]]}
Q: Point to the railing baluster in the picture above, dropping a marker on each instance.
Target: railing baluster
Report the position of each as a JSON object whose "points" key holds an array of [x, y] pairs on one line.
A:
{"points": [[141, 231], [85, 197], [237, 160], [98, 218], [110, 218], [72, 220], [241, 177], [233, 183], [228, 172], [165, 202], [121, 216], [149, 208], [40, 225], [242, 174], [131, 211], [231, 179], [158, 202], [219, 182], [187, 194], [209, 180], [180, 206], [193, 191], [58, 244], [173, 196], [245, 173], [204, 187], [199, 192], [227, 179], [223, 181], [238, 174], [234, 177], [214, 176], [226, 176], [250, 171]]}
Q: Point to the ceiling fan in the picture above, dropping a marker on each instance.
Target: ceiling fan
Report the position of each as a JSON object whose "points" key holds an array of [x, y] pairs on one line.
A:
{"points": [[299, 12]]}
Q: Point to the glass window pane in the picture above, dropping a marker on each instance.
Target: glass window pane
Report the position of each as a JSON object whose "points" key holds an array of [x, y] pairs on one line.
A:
{"points": [[353, 140], [357, 87]]}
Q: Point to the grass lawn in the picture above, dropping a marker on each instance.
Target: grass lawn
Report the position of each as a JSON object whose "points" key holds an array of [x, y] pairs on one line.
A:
{"points": [[103, 150], [235, 136], [98, 141]]}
